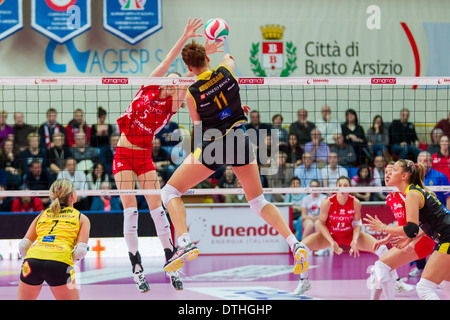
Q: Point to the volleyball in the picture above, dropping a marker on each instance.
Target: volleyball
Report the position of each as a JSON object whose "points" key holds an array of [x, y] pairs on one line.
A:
{"points": [[216, 29]]}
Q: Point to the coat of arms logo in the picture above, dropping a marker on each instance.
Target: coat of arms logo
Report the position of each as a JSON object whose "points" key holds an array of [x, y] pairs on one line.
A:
{"points": [[277, 58]]}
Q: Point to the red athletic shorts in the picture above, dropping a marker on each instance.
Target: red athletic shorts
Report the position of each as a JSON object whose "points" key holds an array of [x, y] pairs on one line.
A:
{"points": [[139, 161], [424, 247], [343, 238]]}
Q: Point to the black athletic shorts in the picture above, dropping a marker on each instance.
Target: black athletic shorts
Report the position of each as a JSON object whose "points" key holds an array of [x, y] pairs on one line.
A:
{"points": [[234, 149], [54, 273]]}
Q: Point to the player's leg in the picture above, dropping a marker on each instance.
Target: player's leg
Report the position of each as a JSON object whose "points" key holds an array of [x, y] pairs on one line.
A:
{"points": [[249, 177], [149, 180], [435, 272], [65, 292], [28, 292], [190, 173]]}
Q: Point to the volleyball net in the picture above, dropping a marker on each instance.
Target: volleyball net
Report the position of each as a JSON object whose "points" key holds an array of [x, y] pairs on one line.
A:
{"points": [[277, 105]]}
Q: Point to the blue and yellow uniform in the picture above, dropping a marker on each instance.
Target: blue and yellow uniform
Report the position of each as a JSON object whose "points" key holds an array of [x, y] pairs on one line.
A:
{"points": [[218, 103], [50, 257], [434, 218]]}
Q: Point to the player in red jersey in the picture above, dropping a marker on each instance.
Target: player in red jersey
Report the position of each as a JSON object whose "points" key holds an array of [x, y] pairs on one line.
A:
{"points": [[340, 224], [150, 110], [404, 250]]}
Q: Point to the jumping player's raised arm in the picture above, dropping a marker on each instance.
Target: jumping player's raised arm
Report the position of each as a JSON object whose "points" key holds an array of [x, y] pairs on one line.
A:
{"points": [[189, 32]]}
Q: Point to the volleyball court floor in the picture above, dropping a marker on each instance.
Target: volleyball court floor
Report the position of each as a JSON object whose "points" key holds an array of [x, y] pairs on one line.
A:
{"points": [[219, 277]]}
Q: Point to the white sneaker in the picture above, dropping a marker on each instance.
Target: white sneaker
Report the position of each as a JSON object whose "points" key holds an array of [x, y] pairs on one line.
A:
{"points": [[415, 272], [303, 286], [402, 286], [141, 282], [323, 252]]}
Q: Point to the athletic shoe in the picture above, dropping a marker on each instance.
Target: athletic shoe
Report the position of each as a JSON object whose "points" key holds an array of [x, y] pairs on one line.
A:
{"points": [[415, 272], [303, 286], [300, 263], [141, 282], [181, 255], [175, 280], [401, 286]]}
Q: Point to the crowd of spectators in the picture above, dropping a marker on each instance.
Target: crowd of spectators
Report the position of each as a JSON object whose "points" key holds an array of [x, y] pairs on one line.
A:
{"points": [[319, 151]]}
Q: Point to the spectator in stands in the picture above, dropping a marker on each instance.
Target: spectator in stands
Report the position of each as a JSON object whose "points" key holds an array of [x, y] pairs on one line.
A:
{"points": [[97, 176], [106, 153], [75, 126], [296, 200], [10, 162], [378, 139], [346, 153], [58, 154], [27, 204], [435, 136], [78, 178], [327, 125], [434, 178], [332, 172], [162, 160], [165, 135], [293, 150], [227, 179], [49, 128], [441, 160], [101, 131], [236, 198], [364, 178], [310, 207], [257, 131], [403, 137], [302, 128], [354, 135], [5, 202], [307, 171], [33, 152], [444, 125], [379, 171], [21, 131], [282, 178], [318, 149], [6, 131], [86, 156], [37, 178], [106, 203], [277, 128]]}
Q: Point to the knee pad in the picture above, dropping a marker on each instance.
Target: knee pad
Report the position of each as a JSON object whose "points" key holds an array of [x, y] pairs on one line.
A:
{"points": [[130, 220], [426, 290], [159, 217], [257, 204], [445, 286], [168, 193], [382, 250], [382, 272]]}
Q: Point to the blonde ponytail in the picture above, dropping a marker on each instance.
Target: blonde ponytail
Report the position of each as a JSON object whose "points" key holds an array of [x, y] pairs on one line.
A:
{"points": [[60, 192]]}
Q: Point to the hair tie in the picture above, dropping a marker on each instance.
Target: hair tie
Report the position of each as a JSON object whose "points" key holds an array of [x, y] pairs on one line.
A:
{"points": [[417, 165]]}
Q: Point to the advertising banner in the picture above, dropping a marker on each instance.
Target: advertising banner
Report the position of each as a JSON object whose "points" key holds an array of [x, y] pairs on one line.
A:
{"points": [[132, 20], [11, 18], [234, 230], [61, 20]]}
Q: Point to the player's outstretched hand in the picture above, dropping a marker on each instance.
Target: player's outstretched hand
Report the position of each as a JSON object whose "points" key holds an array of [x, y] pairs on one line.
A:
{"points": [[212, 47], [192, 27]]}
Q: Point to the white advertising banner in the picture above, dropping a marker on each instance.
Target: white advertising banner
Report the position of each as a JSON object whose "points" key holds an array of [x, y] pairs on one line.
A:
{"points": [[234, 230]]}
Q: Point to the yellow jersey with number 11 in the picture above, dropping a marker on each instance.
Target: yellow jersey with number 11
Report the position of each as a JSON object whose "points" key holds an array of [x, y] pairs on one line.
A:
{"points": [[57, 235]]}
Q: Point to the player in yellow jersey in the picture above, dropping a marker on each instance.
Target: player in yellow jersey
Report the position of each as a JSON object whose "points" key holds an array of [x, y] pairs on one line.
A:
{"points": [[54, 241]]}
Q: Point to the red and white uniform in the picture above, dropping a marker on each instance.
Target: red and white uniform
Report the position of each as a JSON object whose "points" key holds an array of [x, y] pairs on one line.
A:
{"points": [[143, 119], [340, 219], [425, 246]]}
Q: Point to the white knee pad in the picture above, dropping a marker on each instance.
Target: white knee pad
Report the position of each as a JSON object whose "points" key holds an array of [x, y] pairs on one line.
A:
{"points": [[257, 204], [168, 193], [162, 224], [382, 272], [426, 290], [382, 250], [445, 286], [130, 220]]}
